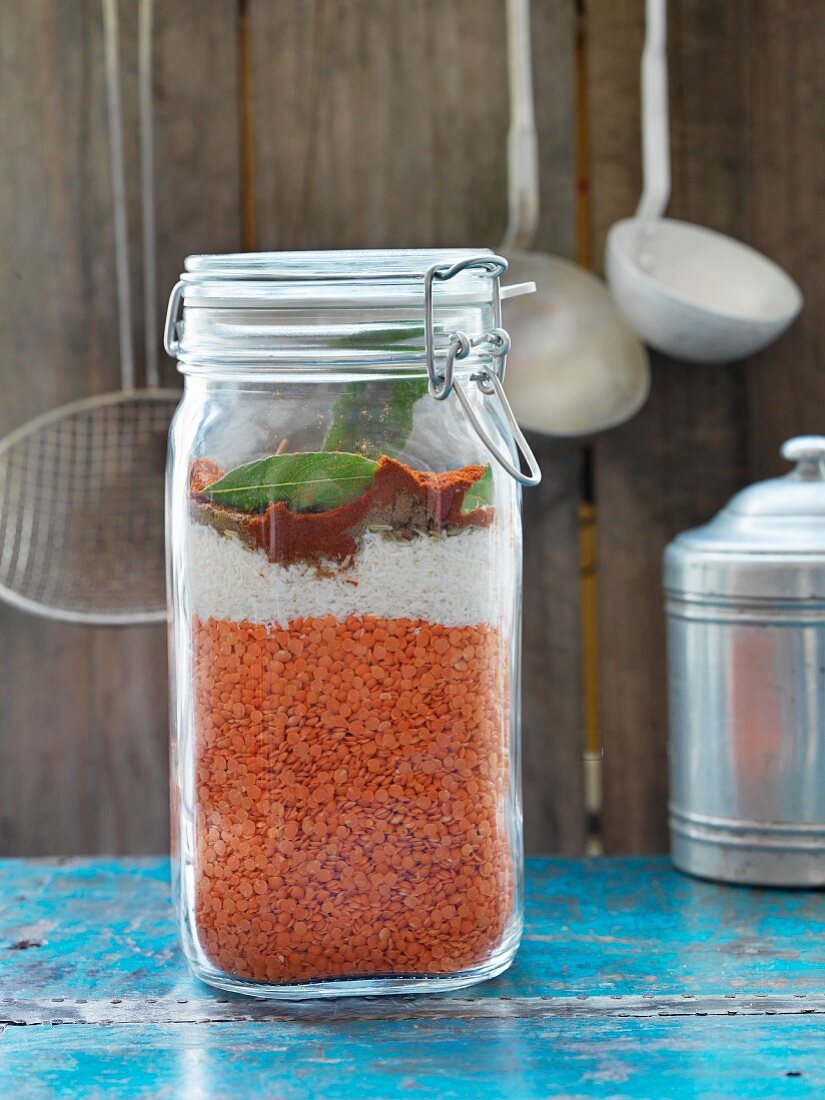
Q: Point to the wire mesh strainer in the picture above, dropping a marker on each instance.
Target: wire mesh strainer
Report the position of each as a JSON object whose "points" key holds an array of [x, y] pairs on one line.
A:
{"points": [[81, 487]]}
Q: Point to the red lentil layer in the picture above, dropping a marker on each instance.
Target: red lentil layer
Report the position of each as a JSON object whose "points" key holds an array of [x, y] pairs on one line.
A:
{"points": [[352, 780]]}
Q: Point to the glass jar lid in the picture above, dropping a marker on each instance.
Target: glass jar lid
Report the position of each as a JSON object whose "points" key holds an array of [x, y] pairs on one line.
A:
{"points": [[347, 277], [336, 308]]}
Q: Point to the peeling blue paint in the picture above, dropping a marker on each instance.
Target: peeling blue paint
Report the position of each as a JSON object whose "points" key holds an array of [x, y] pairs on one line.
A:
{"points": [[483, 1060], [90, 941], [607, 927]]}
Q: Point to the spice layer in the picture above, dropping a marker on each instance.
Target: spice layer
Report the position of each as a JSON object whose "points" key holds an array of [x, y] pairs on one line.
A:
{"points": [[408, 502], [352, 789]]}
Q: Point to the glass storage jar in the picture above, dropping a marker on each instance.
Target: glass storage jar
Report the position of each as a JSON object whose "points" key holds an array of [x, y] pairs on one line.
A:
{"points": [[344, 577]]}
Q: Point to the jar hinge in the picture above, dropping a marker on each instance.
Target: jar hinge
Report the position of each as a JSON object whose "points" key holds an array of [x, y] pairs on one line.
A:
{"points": [[489, 378]]}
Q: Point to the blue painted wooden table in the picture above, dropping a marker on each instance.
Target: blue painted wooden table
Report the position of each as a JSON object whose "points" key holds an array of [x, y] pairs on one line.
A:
{"points": [[632, 981]]}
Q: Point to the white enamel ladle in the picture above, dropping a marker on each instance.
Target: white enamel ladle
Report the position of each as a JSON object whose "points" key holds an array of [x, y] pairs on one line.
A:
{"points": [[575, 367], [688, 291]]}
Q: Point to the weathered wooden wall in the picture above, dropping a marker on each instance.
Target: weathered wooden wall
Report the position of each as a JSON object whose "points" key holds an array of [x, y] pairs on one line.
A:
{"points": [[748, 159], [83, 713], [321, 123]]}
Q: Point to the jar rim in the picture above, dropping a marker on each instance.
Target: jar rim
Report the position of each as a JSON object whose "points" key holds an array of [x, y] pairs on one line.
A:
{"points": [[319, 263], [334, 279]]}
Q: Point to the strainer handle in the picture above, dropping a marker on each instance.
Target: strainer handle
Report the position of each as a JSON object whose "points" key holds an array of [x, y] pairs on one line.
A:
{"points": [[147, 191], [114, 110]]}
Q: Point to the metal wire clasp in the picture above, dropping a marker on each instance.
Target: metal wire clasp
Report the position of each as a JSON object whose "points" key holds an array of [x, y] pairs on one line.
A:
{"points": [[494, 344], [441, 382], [171, 343]]}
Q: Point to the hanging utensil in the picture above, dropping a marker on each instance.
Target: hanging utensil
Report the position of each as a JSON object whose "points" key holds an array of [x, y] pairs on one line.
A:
{"points": [[688, 291], [575, 366], [81, 487]]}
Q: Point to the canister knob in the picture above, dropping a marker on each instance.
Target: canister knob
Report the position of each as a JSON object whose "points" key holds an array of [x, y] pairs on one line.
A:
{"points": [[808, 452]]}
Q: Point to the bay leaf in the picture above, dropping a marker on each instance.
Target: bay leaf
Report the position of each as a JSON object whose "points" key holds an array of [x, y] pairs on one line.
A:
{"points": [[375, 418], [479, 495], [305, 481], [383, 338]]}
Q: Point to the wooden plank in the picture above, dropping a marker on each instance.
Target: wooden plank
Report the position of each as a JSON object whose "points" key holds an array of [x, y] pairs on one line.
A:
{"points": [[552, 727], [83, 729], [672, 468], [786, 147], [378, 124], [552, 720], [198, 144], [774, 1057], [57, 278], [381, 124], [552, 701], [676, 463]]}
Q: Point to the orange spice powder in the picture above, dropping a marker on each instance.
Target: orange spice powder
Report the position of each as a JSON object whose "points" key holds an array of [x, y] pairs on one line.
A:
{"points": [[352, 783], [398, 496]]}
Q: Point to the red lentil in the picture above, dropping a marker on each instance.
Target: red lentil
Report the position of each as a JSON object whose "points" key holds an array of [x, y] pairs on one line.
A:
{"points": [[351, 797]]}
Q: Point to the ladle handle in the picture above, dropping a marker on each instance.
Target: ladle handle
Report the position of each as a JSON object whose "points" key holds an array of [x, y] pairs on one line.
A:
{"points": [[655, 115], [111, 48], [522, 144], [147, 190]]}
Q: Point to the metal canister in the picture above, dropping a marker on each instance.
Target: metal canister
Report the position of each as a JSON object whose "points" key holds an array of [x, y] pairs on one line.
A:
{"points": [[745, 603]]}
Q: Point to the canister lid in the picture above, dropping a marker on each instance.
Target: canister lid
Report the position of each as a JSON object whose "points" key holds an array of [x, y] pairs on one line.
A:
{"points": [[768, 542]]}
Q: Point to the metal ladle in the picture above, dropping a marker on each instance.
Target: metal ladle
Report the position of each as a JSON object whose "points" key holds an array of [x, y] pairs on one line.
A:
{"points": [[575, 366], [688, 291]]}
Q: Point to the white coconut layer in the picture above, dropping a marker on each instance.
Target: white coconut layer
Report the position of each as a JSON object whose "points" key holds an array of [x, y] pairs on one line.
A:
{"points": [[455, 580]]}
